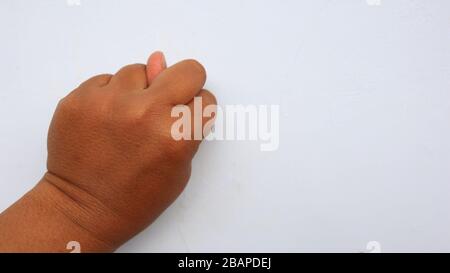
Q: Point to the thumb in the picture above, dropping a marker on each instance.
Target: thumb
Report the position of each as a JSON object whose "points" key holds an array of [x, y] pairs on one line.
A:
{"points": [[156, 63]]}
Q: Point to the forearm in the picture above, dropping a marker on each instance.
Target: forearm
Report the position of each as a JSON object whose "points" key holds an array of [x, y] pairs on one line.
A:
{"points": [[41, 221]]}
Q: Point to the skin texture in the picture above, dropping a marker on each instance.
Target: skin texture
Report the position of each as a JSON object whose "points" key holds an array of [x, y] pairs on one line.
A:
{"points": [[113, 166]]}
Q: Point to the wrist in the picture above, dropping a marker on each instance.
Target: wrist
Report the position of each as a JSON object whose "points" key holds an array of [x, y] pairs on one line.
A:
{"points": [[48, 217], [85, 212]]}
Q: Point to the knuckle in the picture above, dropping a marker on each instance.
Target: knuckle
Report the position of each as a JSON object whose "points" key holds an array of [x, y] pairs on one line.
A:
{"points": [[132, 120], [90, 103], [68, 103], [97, 80], [137, 67], [199, 68], [179, 151], [175, 150], [209, 97], [131, 115]]}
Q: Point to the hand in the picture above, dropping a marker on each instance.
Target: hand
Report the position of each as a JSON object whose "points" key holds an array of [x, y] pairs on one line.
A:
{"points": [[112, 161]]}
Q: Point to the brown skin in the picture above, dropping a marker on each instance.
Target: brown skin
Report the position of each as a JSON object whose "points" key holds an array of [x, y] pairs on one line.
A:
{"points": [[113, 166]]}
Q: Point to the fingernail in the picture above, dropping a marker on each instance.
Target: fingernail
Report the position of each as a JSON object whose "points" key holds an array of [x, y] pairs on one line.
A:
{"points": [[163, 61]]}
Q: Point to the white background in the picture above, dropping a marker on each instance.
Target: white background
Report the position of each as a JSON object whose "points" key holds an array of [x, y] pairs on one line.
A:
{"points": [[364, 95]]}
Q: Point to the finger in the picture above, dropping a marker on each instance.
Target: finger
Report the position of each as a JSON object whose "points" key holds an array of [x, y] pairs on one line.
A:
{"points": [[156, 63], [97, 81], [203, 109], [179, 83], [131, 77]]}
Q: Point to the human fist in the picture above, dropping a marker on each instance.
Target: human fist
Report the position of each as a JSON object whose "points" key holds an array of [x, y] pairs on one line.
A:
{"points": [[110, 149]]}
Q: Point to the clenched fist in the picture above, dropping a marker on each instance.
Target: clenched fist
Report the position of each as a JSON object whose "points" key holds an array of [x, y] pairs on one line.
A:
{"points": [[113, 165]]}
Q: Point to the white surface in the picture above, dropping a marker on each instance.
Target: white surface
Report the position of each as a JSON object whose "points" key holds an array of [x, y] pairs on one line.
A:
{"points": [[364, 95]]}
